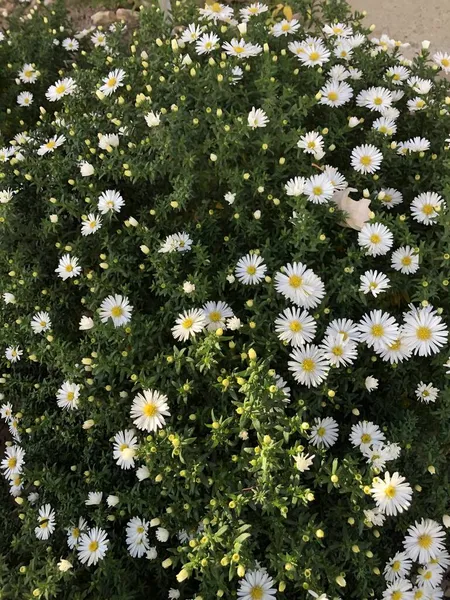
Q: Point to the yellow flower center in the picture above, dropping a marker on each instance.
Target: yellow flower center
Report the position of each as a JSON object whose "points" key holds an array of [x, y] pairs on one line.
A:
{"points": [[377, 330], [208, 45], [42, 323], [395, 346], [295, 326], [396, 565], [337, 30], [311, 144], [12, 462], [285, 27], [150, 410], [390, 491], [75, 532], [70, 396], [397, 595], [238, 49], [122, 447], [51, 144], [44, 525], [378, 101], [366, 161], [445, 62], [69, 268], [308, 365], [314, 56], [419, 594], [251, 270], [423, 333], [321, 431], [366, 438], [420, 103], [111, 82], [333, 96], [373, 285], [28, 73], [215, 316], [428, 209], [92, 224], [337, 351], [317, 191], [187, 323], [93, 546], [375, 238], [117, 311], [396, 77], [140, 529], [216, 7], [428, 575], [406, 261], [60, 89], [383, 129], [257, 593], [295, 281], [425, 541]]}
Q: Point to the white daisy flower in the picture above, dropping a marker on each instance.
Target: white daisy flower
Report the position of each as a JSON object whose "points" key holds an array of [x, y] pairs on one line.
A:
{"points": [[41, 322], [397, 567], [256, 8], [392, 495], [442, 59], [13, 461], [371, 383], [396, 352], [405, 260], [294, 187], [430, 577], [206, 43], [424, 540], [51, 144], [390, 197], [426, 207], [110, 201], [137, 537], [303, 461], [92, 546], [68, 395], [311, 143], [62, 87], [295, 326], [376, 456], [416, 104], [300, 285], [365, 434], [366, 158], [339, 351], [46, 520], [117, 308], [112, 82], [149, 410], [425, 331], [285, 27], [375, 98], [398, 74], [401, 589], [70, 44], [153, 119], [215, 314], [375, 517], [162, 535], [256, 584], [324, 432], [25, 99], [91, 224], [7, 195], [142, 473], [308, 365], [337, 180], [375, 238], [283, 387], [257, 118], [338, 73], [124, 448], [335, 93], [425, 392], [418, 144], [250, 269], [110, 140], [385, 125], [216, 12], [343, 49], [338, 30], [13, 353], [94, 499], [319, 189], [188, 324], [86, 169], [98, 39], [346, 327], [28, 73], [313, 54], [6, 411], [74, 533], [86, 323], [9, 298], [241, 48], [378, 329], [68, 267], [373, 282], [191, 33]]}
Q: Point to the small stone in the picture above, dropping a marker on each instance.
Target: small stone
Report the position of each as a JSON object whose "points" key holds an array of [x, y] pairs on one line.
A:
{"points": [[127, 15], [103, 17]]}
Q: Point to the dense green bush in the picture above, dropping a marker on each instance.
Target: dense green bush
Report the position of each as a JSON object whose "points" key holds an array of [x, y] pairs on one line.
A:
{"points": [[227, 374]]}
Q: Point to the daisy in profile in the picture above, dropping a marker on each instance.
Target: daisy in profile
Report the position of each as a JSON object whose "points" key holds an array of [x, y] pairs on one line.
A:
{"points": [[303, 461], [425, 331], [405, 260], [425, 208], [91, 224], [442, 59], [308, 365], [94, 499], [425, 392], [206, 43], [215, 314], [346, 327], [256, 585], [311, 142], [13, 353], [254, 9], [188, 324], [25, 99], [86, 323], [366, 159], [389, 197], [241, 48], [375, 517], [112, 82], [124, 448], [110, 201], [137, 537], [365, 434], [13, 461], [108, 141], [335, 93], [28, 73], [319, 189], [418, 144], [324, 433], [68, 395], [397, 567], [46, 520], [392, 495], [149, 410], [295, 326], [191, 33], [378, 329], [9, 298], [153, 119], [375, 238], [250, 269], [92, 546], [283, 387], [74, 533], [117, 308], [285, 27], [257, 118], [295, 186], [339, 351], [371, 383], [424, 541], [68, 267], [374, 283], [300, 285], [313, 54], [41, 322], [51, 144], [337, 180]]}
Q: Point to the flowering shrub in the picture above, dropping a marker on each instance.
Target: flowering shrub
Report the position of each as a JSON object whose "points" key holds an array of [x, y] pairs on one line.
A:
{"points": [[225, 266]]}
